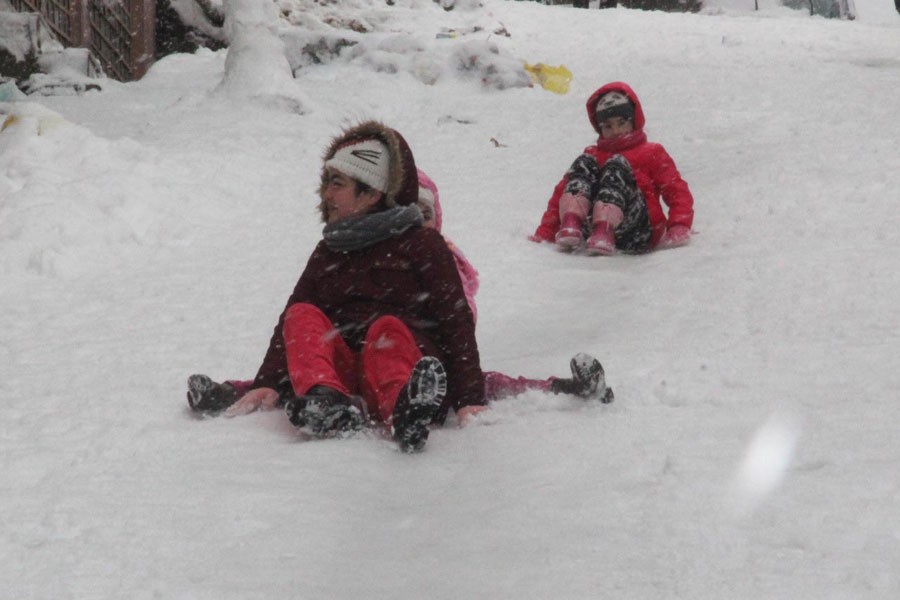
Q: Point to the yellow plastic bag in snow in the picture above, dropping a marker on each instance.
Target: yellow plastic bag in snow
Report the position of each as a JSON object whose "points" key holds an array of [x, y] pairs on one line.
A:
{"points": [[554, 79]]}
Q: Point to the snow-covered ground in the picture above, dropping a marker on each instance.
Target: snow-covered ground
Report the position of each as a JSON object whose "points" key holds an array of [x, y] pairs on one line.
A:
{"points": [[155, 230]]}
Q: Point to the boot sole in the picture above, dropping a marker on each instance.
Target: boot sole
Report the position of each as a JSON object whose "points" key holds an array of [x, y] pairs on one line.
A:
{"points": [[599, 248], [326, 421], [427, 383], [423, 395], [569, 240], [588, 370], [198, 386]]}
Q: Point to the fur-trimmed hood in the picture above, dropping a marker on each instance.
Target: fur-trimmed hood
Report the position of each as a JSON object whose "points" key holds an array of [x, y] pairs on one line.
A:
{"points": [[403, 184]]}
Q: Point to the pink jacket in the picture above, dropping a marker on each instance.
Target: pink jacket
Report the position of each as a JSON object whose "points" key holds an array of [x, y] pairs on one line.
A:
{"points": [[467, 272]]}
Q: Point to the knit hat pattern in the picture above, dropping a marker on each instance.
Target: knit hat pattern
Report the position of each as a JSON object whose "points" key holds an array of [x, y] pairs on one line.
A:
{"points": [[364, 160], [614, 104]]}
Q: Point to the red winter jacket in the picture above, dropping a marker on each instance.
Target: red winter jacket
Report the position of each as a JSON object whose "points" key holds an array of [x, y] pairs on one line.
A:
{"points": [[655, 173], [413, 277]]}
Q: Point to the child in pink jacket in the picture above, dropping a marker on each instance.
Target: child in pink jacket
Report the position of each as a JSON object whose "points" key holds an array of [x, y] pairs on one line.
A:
{"points": [[587, 374], [612, 193]]}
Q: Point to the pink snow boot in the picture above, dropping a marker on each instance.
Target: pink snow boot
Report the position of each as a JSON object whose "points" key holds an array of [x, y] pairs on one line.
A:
{"points": [[573, 210], [569, 235], [606, 218], [602, 240]]}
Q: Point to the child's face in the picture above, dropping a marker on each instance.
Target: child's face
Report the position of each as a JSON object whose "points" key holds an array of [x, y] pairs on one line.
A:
{"points": [[615, 127], [427, 215]]}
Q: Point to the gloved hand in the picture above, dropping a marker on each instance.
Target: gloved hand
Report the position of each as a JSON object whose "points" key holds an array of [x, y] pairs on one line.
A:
{"points": [[467, 413], [676, 235], [260, 398]]}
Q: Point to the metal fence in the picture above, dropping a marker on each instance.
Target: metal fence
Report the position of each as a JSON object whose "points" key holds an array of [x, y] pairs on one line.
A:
{"points": [[119, 33]]}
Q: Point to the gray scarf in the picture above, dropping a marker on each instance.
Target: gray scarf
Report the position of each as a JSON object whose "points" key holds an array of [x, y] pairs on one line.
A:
{"points": [[355, 233]]}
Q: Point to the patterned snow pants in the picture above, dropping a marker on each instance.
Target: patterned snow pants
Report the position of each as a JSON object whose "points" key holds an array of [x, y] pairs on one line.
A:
{"points": [[613, 183]]}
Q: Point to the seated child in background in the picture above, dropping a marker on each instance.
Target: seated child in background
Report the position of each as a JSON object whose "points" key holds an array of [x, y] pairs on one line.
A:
{"points": [[588, 380], [587, 374], [611, 193]]}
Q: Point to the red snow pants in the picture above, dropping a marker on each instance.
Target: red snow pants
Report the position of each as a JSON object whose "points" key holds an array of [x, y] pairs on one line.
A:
{"points": [[318, 355]]}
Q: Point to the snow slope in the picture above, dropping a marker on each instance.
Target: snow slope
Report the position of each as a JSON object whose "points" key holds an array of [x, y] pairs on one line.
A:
{"points": [[155, 229]]}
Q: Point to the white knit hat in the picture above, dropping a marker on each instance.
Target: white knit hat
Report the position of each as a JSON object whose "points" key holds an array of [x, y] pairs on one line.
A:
{"points": [[366, 160]]}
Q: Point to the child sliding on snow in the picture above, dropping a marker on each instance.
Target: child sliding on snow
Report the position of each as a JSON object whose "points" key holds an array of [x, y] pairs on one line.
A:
{"points": [[611, 193], [588, 378]]}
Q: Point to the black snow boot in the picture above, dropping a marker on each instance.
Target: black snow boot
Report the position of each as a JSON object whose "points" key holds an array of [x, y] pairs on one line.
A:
{"points": [[418, 403], [206, 396], [324, 410], [588, 380]]}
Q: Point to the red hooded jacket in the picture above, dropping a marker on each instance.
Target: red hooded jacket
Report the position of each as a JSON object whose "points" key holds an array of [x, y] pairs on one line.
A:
{"points": [[654, 170]]}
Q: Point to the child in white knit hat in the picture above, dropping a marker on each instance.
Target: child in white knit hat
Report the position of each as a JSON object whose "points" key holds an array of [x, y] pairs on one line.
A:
{"points": [[377, 328]]}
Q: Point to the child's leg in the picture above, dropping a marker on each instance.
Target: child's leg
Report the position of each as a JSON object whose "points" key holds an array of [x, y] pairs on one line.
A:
{"points": [[605, 218], [575, 204], [573, 211], [388, 356], [498, 385], [583, 177], [240, 386], [316, 352], [588, 381], [618, 198]]}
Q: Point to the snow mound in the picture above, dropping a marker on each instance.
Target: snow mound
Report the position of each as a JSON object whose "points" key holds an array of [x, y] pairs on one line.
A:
{"points": [[45, 161]]}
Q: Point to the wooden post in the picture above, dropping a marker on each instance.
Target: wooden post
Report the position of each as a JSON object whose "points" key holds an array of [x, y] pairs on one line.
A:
{"points": [[80, 31], [142, 20]]}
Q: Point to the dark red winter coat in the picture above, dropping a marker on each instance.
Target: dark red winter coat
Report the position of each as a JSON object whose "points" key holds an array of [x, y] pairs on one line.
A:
{"points": [[654, 170]]}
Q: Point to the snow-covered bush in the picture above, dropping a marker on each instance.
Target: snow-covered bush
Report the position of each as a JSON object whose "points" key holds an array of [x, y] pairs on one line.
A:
{"points": [[397, 36], [22, 39], [386, 36], [484, 60]]}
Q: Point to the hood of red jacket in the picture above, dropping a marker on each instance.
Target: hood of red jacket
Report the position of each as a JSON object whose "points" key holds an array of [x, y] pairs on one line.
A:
{"points": [[616, 86]]}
